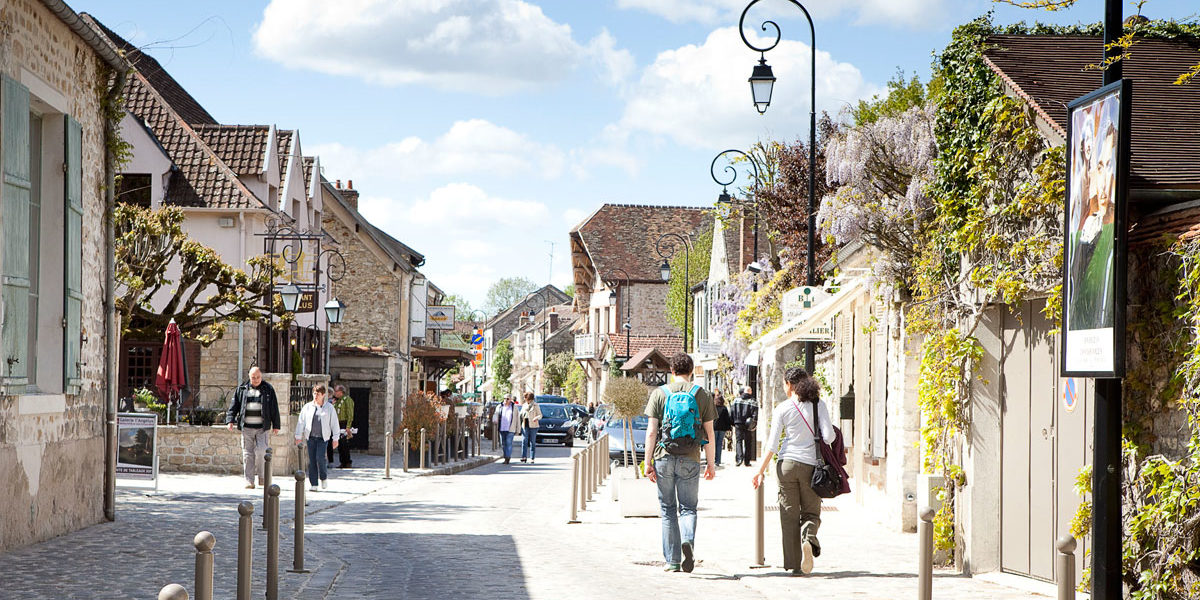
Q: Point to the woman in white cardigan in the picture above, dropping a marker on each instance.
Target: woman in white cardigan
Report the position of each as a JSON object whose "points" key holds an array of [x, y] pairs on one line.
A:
{"points": [[318, 425]]}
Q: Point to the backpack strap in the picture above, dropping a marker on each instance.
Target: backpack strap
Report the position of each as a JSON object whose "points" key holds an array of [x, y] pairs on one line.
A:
{"points": [[695, 388]]}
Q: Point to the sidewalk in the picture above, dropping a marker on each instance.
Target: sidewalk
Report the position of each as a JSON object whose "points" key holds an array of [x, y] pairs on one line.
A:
{"points": [[150, 543], [861, 558]]}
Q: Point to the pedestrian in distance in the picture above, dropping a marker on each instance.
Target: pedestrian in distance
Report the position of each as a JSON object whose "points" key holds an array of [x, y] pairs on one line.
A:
{"points": [[792, 437], [721, 425], [531, 415], [343, 404], [744, 414], [255, 411], [507, 418], [683, 412], [317, 426]]}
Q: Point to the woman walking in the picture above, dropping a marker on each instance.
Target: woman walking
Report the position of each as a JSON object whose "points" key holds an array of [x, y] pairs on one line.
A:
{"points": [[318, 424], [507, 418], [792, 438], [721, 425], [531, 414]]}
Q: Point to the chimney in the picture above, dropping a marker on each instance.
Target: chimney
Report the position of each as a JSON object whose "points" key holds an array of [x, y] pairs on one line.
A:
{"points": [[349, 194], [553, 323]]}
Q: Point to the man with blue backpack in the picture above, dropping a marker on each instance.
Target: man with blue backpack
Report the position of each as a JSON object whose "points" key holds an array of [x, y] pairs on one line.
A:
{"points": [[683, 413]]}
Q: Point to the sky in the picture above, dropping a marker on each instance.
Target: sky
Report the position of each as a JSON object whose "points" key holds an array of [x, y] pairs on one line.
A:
{"points": [[480, 132]]}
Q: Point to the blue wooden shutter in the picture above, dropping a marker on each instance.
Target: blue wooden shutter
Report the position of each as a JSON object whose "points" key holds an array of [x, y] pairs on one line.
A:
{"points": [[73, 259], [14, 213]]}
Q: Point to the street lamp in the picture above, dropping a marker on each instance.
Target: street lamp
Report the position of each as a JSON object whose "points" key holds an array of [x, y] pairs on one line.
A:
{"points": [[761, 83], [335, 311], [542, 300], [612, 301], [290, 296], [667, 252], [725, 198]]}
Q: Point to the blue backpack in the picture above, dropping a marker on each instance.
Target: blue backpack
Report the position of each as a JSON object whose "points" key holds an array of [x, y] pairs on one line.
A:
{"points": [[680, 413]]}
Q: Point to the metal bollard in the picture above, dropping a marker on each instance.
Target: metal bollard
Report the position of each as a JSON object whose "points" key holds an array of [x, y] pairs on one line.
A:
{"points": [[204, 542], [387, 454], [422, 448], [298, 527], [587, 476], [760, 501], [925, 564], [582, 477], [574, 489], [1066, 567], [245, 549], [273, 543], [265, 478], [172, 591], [404, 445]]}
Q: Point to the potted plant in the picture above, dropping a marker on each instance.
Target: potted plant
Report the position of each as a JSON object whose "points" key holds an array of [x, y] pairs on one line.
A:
{"points": [[144, 400], [420, 410]]}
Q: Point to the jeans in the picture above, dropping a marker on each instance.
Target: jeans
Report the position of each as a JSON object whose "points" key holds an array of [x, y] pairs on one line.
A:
{"points": [[316, 459], [719, 440], [798, 505], [506, 440], [678, 494], [529, 443], [254, 448]]}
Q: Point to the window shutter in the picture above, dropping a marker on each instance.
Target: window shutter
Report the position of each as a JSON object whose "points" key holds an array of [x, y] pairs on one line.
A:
{"points": [[14, 213], [73, 260]]}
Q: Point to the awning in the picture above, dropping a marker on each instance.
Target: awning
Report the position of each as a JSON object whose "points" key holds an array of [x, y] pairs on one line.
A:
{"points": [[639, 358], [812, 324]]}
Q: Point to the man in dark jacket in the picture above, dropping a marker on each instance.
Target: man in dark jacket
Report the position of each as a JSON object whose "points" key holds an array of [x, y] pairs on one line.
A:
{"points": [[744, 414], [255, 411]]}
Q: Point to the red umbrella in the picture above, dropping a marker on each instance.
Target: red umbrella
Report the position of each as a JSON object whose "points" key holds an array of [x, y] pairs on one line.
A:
{"points": [[172, 375]]}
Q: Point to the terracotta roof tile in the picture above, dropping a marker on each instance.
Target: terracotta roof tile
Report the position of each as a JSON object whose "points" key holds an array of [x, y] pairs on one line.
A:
{"points": [[242, 147], [308, 169], [283, 147], [667, 345]]}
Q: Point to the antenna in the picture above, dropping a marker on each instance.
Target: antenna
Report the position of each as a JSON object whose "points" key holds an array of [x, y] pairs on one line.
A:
{"points": [[550, 275]]}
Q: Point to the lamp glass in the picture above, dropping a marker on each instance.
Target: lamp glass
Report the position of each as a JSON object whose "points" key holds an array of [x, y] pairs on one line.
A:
{"points": [[290, 296], [762, 83], [335, 311], [724, 198], [665, 271], [612, 298]]}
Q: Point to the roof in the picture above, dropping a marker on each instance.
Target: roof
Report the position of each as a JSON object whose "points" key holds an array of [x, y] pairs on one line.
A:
{"points": [[1049, 71], [396, 250], [555, 295], [668, 345], [172, 93], [308, 169], [242, 147], [637, 362], [283, 148]]}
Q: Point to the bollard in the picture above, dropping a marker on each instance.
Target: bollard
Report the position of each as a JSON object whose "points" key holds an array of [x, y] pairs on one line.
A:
{"points": [[404, 445], [298, 527], [1066, 567], [582, 477], [597, 468], [387, 455], [204, 542], [273, 543], [265, 479], [173, 591], [760, 502], [574, 489], [925, 564], [245, 549], [422, 466], [495, 437]]}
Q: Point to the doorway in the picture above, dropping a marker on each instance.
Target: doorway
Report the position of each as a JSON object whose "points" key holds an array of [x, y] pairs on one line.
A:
{"points": [[362, 420]]}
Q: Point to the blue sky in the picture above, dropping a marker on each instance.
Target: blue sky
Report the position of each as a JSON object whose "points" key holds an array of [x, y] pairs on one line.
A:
{"points": [[480, 131]]}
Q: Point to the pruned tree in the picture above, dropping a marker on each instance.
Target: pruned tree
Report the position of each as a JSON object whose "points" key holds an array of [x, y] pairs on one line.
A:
{"points": [[558, 366], [502, 368]]}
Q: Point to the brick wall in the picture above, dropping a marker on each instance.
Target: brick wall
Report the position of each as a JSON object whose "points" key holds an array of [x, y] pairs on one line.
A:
{"points": [[219, 373], [649, 307], [52, 448]]}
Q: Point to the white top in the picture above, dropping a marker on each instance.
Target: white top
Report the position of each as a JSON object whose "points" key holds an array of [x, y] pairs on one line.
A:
{"points": [[790, 438], [330, 428]]}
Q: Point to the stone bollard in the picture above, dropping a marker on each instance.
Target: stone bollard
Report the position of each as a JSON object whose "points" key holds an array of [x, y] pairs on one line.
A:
{"points": [[925, 563], [760, 507], [273, 543], [172, 591], [298, 527], [245, 549], [404, 446], [387, 455], [422, 451], [582, 476], [265, 476], [574, 489], [204, 542], [590, 472], [1066, 567]]}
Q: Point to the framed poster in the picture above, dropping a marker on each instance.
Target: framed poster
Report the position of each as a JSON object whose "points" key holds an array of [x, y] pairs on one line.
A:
{"points": [[137, 446], [1093, 315]]}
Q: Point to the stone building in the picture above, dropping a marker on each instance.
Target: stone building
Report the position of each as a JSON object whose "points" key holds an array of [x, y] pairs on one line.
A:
{"points": [[535, 340], [502, 326], [55, 76]]}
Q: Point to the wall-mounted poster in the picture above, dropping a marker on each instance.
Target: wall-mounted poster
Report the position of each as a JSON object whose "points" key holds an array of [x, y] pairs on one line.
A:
{"points": [[1094, 254], [137, 453]]}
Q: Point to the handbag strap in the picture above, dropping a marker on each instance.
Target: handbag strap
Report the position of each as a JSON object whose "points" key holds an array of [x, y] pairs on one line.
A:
{"points": [[816, 416]]}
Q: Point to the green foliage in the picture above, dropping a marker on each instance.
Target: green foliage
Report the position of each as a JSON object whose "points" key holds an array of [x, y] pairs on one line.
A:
{"points": [[576, 386], [569, 290], [901, 95], [502, 368], [462, 307], [558, 367], [507, 292], [696, 263]]}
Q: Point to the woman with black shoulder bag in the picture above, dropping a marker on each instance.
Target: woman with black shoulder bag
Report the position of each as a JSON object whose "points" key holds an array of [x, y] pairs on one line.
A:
{"points": [[793, 438]]}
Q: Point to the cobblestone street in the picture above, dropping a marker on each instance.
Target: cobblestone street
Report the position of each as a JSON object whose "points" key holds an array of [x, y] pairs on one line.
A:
{"points": [[495, 531]]}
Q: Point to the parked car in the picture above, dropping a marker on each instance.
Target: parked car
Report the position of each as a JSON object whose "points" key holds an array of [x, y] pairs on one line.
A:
{"points": [[582, 419], [616, 445], [596, 423], [557, 425], [551, 399]]}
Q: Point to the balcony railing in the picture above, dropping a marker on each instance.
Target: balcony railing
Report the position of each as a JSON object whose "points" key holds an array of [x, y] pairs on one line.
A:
{"points": [[585, 345]]}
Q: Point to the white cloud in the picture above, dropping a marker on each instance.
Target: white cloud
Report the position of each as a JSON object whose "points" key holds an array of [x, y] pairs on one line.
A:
{"points": [[484, 46], [917, 14], [698, 95], [615, 65], [466, 207]]}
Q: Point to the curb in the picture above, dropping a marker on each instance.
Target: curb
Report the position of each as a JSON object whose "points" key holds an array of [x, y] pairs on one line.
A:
{"points": [[459, 467]]}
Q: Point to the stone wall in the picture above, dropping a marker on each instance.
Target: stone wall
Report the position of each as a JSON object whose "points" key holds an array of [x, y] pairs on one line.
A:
{"points": [[219, 373], [52, 445], [649, 308], [363, 370], [188, 449], [370, 290]]}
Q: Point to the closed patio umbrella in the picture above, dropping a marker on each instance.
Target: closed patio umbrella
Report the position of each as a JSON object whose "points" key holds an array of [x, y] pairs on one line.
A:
{"points": [[172, 370]]}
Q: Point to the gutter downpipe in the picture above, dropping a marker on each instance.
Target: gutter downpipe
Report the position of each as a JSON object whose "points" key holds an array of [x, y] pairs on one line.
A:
{"points": [[241, 324]]}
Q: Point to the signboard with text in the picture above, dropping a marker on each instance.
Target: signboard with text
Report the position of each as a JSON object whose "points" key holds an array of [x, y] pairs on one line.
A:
{"points": [[795, 301], [440, 318], [137, 446]]}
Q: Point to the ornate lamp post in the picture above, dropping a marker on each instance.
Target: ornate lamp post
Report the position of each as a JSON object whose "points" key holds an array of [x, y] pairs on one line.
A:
{"points": [[725, 198], [667, 252], [612, 301], [762, 82]]}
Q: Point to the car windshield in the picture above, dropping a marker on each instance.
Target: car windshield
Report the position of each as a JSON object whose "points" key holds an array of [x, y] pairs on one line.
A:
{"points": [[547, 399], [554, 411], [639, 422]]}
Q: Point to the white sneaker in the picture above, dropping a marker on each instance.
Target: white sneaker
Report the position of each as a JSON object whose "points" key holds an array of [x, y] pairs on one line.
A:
{"points": [[312, 489], [806, 550], [323, 485]]}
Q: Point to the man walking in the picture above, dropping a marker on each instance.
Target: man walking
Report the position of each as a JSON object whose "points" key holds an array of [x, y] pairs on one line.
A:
{"points": [[745, 420], [683, 413], [344, 405], [255, 411]]}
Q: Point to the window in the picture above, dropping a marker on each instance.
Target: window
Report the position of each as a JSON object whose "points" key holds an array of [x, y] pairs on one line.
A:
{"points": [[134, 189]]}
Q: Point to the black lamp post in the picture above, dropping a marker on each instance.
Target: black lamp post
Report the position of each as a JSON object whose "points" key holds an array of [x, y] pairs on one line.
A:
{"points": [[542, 300], [667, 252], [762, 82], [725, 198], [612, 301]]}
